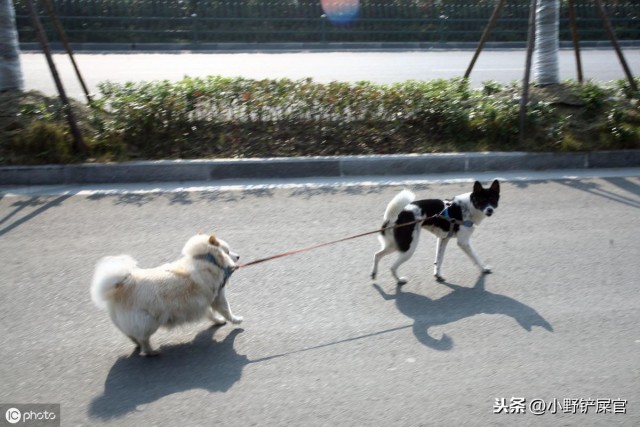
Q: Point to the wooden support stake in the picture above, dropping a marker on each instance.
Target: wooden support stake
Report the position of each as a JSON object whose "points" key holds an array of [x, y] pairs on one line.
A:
{"points": [[67, 46], [614, 43], [574, 36], [78, 146], [485, 36]]}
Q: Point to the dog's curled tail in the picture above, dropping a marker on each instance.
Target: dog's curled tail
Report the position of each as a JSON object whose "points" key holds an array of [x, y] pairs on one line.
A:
{"points": [[109, 272], [397, 204]]}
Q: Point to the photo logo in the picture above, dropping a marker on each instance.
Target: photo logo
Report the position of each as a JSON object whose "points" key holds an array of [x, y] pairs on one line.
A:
{"points": [[13, 415], [30, 414]]}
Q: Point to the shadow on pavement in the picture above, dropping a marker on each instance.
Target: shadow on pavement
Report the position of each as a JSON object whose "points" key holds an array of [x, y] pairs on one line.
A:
{"points": [[184, 198], [625, 184], [216, 366], [42, 204], [463, 302], [203, 363]]}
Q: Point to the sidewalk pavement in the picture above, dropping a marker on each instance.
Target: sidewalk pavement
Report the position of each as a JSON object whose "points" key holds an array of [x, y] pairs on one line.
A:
{"points": [[308, 167]]}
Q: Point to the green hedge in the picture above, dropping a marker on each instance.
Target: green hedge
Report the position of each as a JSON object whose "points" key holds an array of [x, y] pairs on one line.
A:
{"points": [[237, 117], [220, 117]]}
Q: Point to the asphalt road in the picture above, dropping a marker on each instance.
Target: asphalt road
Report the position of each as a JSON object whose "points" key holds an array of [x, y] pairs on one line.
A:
{"points": [[321, 344], [503, 66]]}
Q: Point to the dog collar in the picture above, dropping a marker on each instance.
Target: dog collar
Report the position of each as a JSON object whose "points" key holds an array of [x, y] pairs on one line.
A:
{"points": [[228, 271]]}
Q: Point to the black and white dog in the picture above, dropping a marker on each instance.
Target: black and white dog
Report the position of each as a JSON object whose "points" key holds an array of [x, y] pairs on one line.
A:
{"points": [[444, 218]]}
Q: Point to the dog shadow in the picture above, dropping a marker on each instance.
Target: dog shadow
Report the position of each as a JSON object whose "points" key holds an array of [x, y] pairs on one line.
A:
{"points": [[459, 304], [203, 363]]}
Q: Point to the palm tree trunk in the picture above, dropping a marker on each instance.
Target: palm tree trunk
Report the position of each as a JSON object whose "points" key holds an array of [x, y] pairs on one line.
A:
{"points": [[547, 69], [10, 71]]}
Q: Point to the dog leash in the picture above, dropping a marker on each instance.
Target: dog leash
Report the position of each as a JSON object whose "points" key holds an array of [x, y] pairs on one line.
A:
{"points": [[444, 214], [333, 242]]}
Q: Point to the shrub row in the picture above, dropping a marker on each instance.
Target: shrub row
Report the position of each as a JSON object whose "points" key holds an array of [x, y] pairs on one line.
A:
{"points": [[237, 117]]}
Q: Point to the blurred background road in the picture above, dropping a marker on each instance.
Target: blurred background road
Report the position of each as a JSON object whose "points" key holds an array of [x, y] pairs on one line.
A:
{"points": [[503, 66]]}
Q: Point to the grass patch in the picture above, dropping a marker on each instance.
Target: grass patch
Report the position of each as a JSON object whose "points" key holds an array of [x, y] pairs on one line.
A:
{"points": [[218, 117]]}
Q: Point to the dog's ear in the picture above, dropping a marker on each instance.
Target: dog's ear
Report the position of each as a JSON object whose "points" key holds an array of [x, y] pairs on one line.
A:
{"points": [[213, 241], [495, 186], [477, 187]]}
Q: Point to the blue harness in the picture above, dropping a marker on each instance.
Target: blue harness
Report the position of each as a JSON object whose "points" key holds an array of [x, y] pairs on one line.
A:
{"points": [[445, 215], [228, 271]]}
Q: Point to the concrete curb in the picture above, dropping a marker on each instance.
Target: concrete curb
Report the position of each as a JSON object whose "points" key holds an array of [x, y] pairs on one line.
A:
{"points": [[307, 167]]}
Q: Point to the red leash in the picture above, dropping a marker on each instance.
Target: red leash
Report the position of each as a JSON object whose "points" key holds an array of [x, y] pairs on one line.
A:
{"points": [[333, 242]]}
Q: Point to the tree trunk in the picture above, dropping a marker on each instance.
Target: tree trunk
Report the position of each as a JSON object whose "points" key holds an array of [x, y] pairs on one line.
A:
{"points": [[10, 71], [547, 69]]}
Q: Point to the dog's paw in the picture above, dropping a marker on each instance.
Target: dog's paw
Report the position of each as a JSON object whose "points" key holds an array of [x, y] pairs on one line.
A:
{"points": [[236, 320], [374, 275], [218, 320], [487, 269], [402, 281], [151, 353], [439, 278]]}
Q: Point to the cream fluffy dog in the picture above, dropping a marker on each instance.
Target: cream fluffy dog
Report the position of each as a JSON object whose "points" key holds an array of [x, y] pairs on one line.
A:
{"points": [[140, 300]]}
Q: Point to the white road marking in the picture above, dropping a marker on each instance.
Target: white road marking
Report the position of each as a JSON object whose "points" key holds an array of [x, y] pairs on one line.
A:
{"points": [[331, 182]]}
